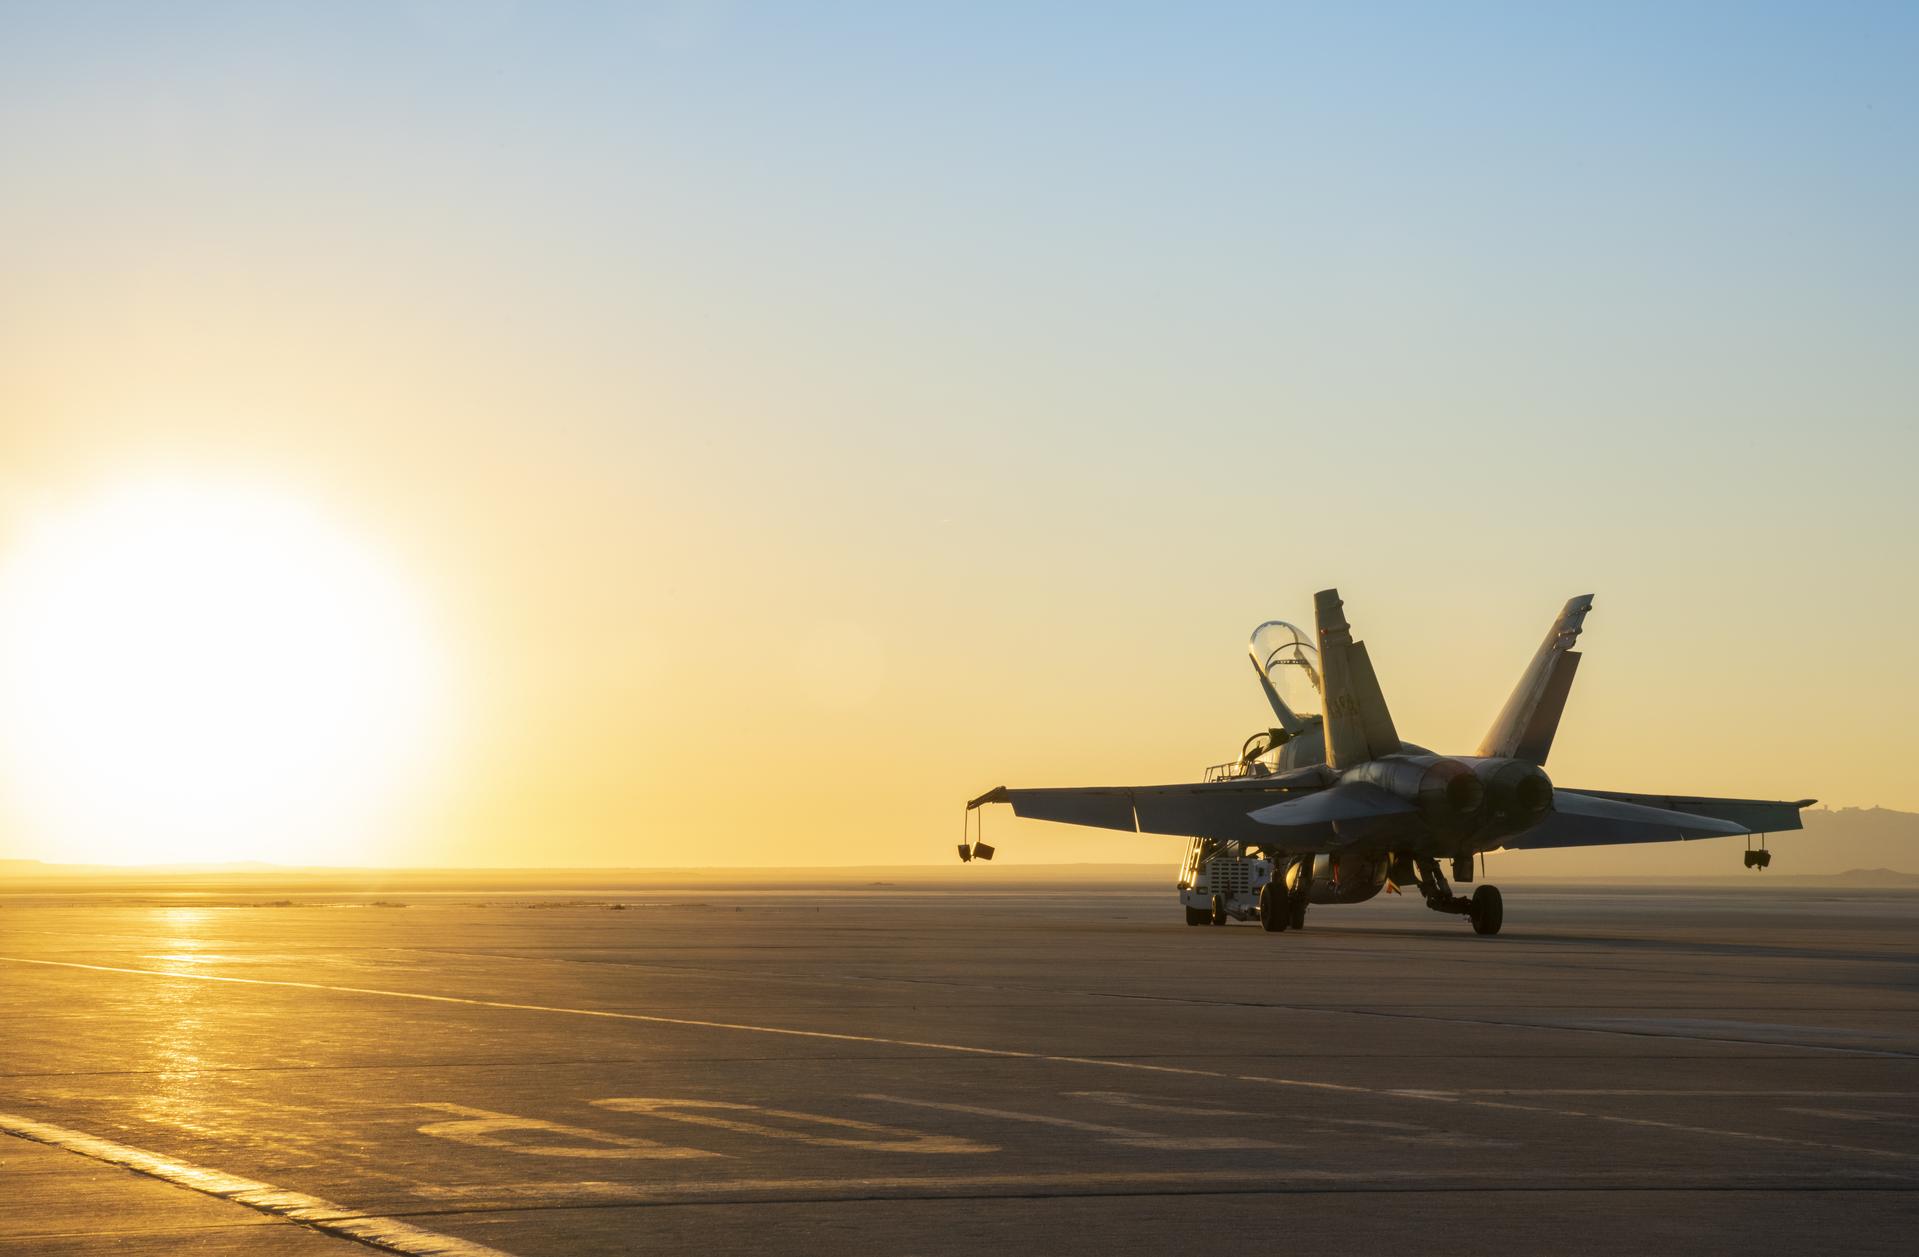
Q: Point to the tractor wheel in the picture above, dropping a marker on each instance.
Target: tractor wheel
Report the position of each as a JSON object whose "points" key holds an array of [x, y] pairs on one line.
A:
{"points": [[1197, 916]]}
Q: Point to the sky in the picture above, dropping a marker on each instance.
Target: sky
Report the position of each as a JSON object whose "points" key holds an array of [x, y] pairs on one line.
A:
{"points": [[789, 421]]}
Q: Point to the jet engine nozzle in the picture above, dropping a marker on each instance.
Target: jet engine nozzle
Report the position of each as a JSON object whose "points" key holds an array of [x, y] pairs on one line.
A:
{"points": [[1449, 796], [1516, 792], [1448, 787]]}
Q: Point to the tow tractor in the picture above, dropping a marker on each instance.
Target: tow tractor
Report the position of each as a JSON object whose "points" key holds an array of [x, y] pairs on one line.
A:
{"points": [[1218, 882]]}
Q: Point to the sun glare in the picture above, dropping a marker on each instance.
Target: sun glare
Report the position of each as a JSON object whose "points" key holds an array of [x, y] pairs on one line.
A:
{"points": [[197, 670]]}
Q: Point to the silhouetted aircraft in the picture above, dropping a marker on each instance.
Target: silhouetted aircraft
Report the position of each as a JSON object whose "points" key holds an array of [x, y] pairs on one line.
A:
{"points": [[1330, 807]]}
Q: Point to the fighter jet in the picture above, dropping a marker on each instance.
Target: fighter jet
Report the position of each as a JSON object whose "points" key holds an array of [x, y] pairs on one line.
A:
{"points": [[1332, 806]]}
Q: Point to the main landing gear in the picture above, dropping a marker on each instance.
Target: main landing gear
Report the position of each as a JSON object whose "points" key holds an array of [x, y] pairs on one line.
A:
{"points": [[1280, 908], [1485, 909], [1275, 913]]}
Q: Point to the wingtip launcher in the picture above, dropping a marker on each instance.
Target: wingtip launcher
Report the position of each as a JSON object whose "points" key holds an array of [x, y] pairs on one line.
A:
{"points": [[973, 848]]}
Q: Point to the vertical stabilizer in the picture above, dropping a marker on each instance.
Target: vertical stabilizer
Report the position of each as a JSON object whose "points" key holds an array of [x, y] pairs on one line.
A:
{"points": [[1358, 726], [1525, 726]]}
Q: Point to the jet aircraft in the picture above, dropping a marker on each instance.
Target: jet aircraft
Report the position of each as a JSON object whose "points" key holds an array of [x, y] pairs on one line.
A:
{"points": [[1332, 806]]}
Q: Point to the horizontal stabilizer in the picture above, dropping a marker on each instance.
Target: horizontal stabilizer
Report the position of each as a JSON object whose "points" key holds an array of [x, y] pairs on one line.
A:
{"points": [[1355, 801]]}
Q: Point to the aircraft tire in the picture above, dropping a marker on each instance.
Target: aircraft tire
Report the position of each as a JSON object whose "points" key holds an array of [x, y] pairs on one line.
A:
{"points": [[1296, 905], [1489, 911], [1275, 914], [1197, 916]]}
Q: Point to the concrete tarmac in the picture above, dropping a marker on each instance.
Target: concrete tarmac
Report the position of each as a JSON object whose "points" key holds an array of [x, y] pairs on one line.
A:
{"points": [[1047, 1069]]}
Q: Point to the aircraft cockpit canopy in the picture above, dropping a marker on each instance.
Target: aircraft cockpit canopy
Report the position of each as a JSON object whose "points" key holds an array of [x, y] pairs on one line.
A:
{"points": [[1288, 665]]}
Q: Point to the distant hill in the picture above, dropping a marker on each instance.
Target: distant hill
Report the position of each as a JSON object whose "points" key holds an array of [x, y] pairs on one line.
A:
{"points": [[1852, 846], [1841, 847], [1863, 877]]}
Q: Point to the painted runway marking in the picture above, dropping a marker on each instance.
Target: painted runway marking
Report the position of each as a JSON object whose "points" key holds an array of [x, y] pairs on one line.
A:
{"points": [[876, 1138], [483, 1128], [1158, 1104], [1400, 1132], [1123, 1135], [962, 1049], [388, 1234], [708, 971], [1654, 1124]]}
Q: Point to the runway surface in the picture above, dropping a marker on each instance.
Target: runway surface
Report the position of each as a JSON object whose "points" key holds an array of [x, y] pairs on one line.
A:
{"points": [[927, 1071]]}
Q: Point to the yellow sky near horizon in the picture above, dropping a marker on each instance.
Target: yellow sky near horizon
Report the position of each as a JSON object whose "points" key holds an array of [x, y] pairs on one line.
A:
{"points": [[776, 470]]}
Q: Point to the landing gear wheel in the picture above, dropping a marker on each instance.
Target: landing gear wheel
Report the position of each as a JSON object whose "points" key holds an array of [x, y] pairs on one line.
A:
{"points": [[1488, 910], [1197, 916], [1219, 910], [1275, 913], [1296, 904]]}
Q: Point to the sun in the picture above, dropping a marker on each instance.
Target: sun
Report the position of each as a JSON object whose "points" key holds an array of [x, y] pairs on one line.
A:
{"points": [[203, 669]]}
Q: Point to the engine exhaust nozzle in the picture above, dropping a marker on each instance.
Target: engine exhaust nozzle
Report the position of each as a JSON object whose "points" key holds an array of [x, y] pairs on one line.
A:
{"points": [[1450, 791], [1449, 797], [1516, 792]]}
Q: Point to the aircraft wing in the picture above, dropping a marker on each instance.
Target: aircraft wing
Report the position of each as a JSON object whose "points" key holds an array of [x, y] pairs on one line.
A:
{"points": [[1303, 814], [1214, 809], [1592, 818]]}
